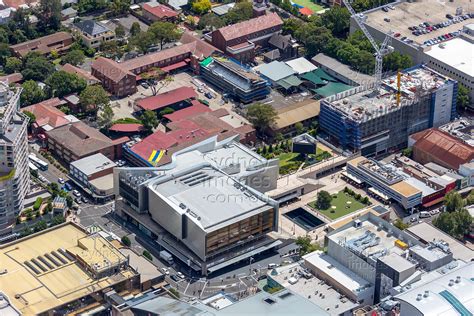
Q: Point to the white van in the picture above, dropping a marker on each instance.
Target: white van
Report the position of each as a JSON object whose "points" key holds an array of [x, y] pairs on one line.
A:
{"points": [[424, 214]]}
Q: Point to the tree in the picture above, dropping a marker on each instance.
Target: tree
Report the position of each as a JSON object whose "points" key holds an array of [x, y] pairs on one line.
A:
{"points": [[304, 242], [48, 208], [201, 6], [13, 64], [299, 128], [463, 99], [69, 201], [49, 15], [37, 67], [31, 94], [110, 48], [135, 29], [39, 226], [93, 98], [400, 224], [58, 219], [31, 118], [166, 111], [407, 152], [142, 41], [119, 7], [74, 57], [63, 83], [210, 21], [242, 11], [120, 31], [337, 20], [323, 202], [85, 6], [470, 198], [106, 117], [456, 223], [147, 255], [261, 116], [164, 32], [453, 201], [149, 120], [126, 241], [153, 77], [4, 53]]}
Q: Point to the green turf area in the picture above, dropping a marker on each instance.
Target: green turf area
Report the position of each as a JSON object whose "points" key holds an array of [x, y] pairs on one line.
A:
{"points": [[309, 4], [342, 208], [287, 158]]}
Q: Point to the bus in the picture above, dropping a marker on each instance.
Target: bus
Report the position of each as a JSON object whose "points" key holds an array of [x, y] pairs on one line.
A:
{"points": [[38, 162], [32, 166]]}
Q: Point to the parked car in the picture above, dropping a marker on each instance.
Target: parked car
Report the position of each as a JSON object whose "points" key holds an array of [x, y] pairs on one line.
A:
{"points": [[180, 275], [208, 95], [145, 85], [78, 201], [61, 180], [174, 277], [396, 34], [165, 271], [386, 19], [85, 200], [384, 9], [68, 186], [76, 193]]}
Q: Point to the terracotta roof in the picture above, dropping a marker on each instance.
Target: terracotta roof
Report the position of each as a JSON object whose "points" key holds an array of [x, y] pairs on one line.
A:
{"points": [[200, 48], [306, 11], [81, 139], [220, 112], [79, 72], [245, 129], [159, 10], [167, 98], [18, 3], [196, 108], [47, 114], [250, 26], [43, 44], [110, 69], [445, 147], [126, 128], [12, 78]]}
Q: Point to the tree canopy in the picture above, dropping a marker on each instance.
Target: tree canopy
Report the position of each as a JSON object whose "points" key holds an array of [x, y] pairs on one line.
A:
{"points": [[63, 83], [323, 201], [37, 67], [31, 94], [149, 120], [262, 116], [74, 57], [94, 97], [201, 6], [164, 32]]}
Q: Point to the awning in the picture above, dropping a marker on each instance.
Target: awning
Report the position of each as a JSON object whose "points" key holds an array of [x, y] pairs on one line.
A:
{"points": [[243, 256], [289, 82], [178, 65], [332, 88], [379, 194], [345, 174], [435, 201]]}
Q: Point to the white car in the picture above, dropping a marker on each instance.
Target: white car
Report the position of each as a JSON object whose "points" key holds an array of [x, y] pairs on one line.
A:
{"points": [[76, 193], [61, 180], [179, 274], [165, 271]]}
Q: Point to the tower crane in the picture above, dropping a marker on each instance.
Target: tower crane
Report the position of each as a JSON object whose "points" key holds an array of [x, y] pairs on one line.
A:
{"points": [[380, 51]]}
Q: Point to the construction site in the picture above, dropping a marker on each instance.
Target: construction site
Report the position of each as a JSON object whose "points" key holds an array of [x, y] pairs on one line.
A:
{"points": [[374, 123]]}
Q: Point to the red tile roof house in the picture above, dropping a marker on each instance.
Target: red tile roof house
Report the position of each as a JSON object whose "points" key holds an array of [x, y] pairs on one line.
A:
{"points": [[59, 42], [14, 78], [81, 73], [241, 39], [183, 133], [176, 99], [115, 76], [48, 117], [154, 11]]}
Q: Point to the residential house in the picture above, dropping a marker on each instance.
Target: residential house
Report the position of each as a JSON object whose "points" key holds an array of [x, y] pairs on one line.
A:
{"points": [[94, 33], [58, 42]]}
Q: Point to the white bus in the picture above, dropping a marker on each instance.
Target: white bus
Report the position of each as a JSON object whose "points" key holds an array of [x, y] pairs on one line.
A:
{"points": [[38, 162], [32, 166]]}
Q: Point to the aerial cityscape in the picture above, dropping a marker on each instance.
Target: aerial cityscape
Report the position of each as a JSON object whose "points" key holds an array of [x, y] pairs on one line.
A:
{"points": [[251, 157]]}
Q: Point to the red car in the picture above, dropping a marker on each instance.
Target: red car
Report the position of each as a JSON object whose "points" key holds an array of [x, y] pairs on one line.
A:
{"points": [[396, 34]]}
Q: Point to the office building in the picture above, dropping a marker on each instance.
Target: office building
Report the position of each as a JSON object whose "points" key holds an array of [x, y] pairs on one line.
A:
{"points": [[206, 206], [94, 174], [241, 39], [380, 255], [357, 120], [63, 269], [434, 44], [237, 82], [14, 172]]}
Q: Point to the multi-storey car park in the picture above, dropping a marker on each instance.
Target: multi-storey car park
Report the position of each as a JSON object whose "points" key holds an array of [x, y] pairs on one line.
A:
{"points": [[205, 207], [14, 174], [437, 33], [359, 120]]}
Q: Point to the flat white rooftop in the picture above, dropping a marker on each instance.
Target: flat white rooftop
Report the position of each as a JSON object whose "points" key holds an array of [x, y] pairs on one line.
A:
{"points": [[457, 53]]}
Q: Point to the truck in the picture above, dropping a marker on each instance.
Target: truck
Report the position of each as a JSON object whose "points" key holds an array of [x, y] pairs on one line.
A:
{"points": [[165, 255]]}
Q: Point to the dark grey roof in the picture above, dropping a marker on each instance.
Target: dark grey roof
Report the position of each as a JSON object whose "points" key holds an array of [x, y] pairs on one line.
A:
{"points": [[273, 54], [280, 41], [91, 27]]}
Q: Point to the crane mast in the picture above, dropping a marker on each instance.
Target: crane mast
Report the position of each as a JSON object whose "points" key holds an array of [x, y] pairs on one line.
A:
{"points": [[380, 51]]}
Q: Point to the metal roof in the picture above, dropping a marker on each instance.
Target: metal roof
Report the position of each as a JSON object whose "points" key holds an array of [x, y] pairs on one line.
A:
{"points": [[275, 70]]}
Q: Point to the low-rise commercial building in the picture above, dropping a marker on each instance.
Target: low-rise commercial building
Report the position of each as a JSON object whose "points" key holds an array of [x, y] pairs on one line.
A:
{"points": [[94, 174], [235, 81], [93, 33], [58, 42], [205, 207], [175, 99], [241, 39], [154, 11], [63, 269], [78, 140]]}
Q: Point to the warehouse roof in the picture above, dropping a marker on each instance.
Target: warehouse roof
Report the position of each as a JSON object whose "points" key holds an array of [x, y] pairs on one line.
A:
{"points": [[342, 69], [297, 112], [332, 88], [301, 65], [92, 164], [223, 9], [275, 70]]}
